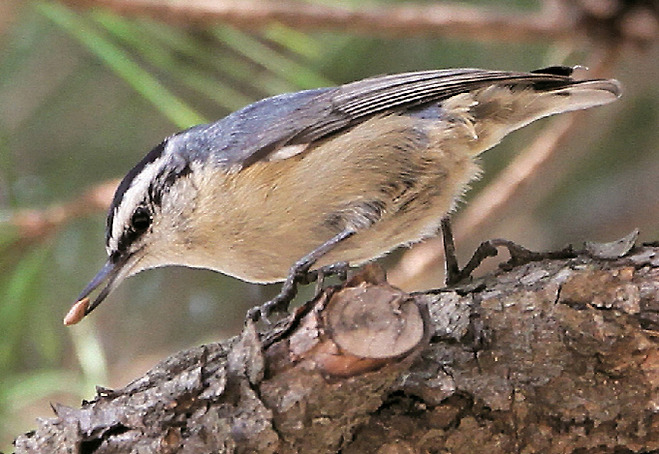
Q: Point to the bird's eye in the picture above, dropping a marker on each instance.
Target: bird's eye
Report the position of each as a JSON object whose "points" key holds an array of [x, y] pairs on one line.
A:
{"points": [[141, 219]]}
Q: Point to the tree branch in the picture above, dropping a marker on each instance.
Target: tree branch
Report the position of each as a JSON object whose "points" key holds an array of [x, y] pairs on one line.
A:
{"points": [[443, 19], [551, 356], [558, 20], [34, 224]]}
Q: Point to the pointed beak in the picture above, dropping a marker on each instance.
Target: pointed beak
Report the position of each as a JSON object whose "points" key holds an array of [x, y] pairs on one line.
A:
{"points": [[115, 270]]}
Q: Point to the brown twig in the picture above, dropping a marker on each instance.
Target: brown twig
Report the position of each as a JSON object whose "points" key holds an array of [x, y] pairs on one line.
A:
{"points": [[34, 224], [440, 19], [8, 10]]}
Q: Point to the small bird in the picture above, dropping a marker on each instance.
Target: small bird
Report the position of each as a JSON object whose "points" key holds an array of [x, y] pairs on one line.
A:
{"points": [[301, 181]]}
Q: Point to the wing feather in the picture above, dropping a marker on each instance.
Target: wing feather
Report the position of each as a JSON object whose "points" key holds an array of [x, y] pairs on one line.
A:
{"points": [[258, 130]]}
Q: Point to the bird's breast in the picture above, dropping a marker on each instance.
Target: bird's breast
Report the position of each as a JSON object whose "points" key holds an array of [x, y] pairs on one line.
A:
{"points": [[390, 179]]}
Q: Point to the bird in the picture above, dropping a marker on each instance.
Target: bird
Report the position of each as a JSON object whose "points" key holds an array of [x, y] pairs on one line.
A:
{"points": [[335, 175]]}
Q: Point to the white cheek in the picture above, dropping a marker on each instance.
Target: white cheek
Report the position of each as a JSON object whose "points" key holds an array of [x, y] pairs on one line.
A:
{"points": [[142, 264], [162, 253]]}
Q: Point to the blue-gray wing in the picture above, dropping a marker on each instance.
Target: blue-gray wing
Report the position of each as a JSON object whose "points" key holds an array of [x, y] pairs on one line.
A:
{"points": [[256, 131]]}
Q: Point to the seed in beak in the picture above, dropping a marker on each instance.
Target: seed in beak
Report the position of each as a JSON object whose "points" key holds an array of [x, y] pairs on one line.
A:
{"points": [[77, 312]]}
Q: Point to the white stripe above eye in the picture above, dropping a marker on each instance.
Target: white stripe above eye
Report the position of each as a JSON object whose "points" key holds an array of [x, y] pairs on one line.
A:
{"points": [[133, 196]]}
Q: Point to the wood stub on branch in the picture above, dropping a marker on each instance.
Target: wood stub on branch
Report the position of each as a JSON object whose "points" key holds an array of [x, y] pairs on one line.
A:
{"points": [[552, 356], [329, 375]]}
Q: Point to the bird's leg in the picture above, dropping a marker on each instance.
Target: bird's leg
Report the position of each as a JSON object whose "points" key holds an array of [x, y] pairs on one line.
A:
{"points": [[518, 255], [339, 269], [297, 274], [453, 272]]}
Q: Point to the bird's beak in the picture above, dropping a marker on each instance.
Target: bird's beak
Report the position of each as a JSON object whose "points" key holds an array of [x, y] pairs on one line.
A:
{"points": [[115, 270]]}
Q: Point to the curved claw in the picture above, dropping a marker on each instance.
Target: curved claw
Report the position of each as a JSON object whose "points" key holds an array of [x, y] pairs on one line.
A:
{"points": [[263, 311]]}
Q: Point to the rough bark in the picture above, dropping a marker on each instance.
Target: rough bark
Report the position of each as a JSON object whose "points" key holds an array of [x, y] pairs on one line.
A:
{"points": [[552, 356]]}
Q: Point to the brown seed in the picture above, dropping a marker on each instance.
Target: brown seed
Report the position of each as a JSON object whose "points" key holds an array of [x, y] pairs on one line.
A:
{"points": [[77, 312]]}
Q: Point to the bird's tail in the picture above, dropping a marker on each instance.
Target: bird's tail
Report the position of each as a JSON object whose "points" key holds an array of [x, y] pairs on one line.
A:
{"points": [[490, 113]]}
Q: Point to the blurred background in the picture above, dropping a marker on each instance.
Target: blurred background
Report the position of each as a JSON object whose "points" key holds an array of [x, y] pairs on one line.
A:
{"points": [[86, 91]]}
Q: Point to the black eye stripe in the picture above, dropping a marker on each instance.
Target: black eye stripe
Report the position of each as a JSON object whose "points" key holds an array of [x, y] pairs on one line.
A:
{"points": [[165, 180], [139, 223]]}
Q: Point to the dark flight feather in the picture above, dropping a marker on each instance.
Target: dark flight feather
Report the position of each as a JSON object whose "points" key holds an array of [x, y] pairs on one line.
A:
{"points": [[259, 129]]}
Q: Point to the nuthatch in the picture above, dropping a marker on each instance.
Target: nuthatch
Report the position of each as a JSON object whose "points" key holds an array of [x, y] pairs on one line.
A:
{"points": [[309, 179]]}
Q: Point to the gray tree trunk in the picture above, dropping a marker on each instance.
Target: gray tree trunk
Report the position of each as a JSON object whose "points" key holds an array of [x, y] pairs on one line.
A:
{"points": [[553, 356]]}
